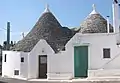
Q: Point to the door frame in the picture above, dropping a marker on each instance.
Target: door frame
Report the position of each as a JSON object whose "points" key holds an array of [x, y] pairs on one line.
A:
{"points": [[87, 45]]}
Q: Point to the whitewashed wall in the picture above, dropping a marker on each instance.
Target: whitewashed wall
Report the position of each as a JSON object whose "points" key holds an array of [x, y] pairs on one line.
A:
{"points": [[28, 68], [96, 43], [12, 63], [24, 65], [34, 56], [64, 62], [60, 66]]}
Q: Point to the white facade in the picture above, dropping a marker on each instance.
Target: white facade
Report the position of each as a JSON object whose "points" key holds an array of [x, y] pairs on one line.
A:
{"points": [[96, 43], [28, 68], [41, 48], [61, 65], [13, 62]]}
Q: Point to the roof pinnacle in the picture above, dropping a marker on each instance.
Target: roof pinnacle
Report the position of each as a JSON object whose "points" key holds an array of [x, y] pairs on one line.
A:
{"points": [[94, 10], [47, 8], [94, 7]]}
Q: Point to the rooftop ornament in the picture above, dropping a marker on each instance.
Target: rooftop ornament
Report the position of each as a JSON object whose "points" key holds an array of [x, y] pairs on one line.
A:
{"points": [[94, 10], [47, 8]]}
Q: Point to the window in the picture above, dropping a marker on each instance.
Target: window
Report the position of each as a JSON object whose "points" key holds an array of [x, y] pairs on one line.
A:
{"points": [[43, 60], [16, 72], [22, 59], [106, 52], [5, 57]]}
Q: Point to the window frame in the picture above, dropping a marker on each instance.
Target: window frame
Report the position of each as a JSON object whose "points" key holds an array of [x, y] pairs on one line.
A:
{"points": [[16, 72], [106, 53], [22, 59]]}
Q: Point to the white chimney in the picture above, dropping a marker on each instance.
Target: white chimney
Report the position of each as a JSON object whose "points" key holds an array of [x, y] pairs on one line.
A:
{"points": [[116, 20], [108, 29]]}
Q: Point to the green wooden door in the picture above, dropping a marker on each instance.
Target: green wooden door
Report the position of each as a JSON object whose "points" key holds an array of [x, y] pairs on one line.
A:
{"points": [[80, 61]]}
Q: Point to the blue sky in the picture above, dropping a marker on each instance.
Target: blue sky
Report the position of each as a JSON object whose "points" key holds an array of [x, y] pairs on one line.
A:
{"points": [[23, 14]]}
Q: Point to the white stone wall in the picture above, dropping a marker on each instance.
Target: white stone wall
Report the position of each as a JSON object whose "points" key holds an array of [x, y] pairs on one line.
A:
{"points": [[33, 65], [24, 65], [12, 63], [96, 43], [60, 66], [28, 68], [64, 61]]}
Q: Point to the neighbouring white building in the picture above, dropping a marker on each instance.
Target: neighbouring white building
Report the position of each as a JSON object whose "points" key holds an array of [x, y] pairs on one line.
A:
{"points": [[55, 52]]}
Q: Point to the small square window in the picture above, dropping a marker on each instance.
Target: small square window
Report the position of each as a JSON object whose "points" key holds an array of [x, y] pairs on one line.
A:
{"points": [[106, 53], [5, 57], [43, 60], [16, 72], [22, 59]]}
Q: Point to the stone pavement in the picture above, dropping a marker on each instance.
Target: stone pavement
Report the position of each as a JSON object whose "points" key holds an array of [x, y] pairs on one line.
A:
{"points": [[11, 80], [89, 80]]}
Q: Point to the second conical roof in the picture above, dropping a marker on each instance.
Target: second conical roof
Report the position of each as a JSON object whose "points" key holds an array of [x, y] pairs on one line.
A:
{"points": [[95, 23]]}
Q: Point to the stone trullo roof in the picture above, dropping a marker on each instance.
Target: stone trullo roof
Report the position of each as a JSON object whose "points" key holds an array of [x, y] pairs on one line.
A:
{"points": [[95, 23], [48, 28]]}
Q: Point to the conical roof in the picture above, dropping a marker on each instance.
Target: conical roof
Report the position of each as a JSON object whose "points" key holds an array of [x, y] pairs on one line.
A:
{"points": [[48, 28], [95, 23]]}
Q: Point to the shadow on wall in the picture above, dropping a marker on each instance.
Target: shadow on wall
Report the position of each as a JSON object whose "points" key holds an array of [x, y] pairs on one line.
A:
{"points": [[2, 82]]}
